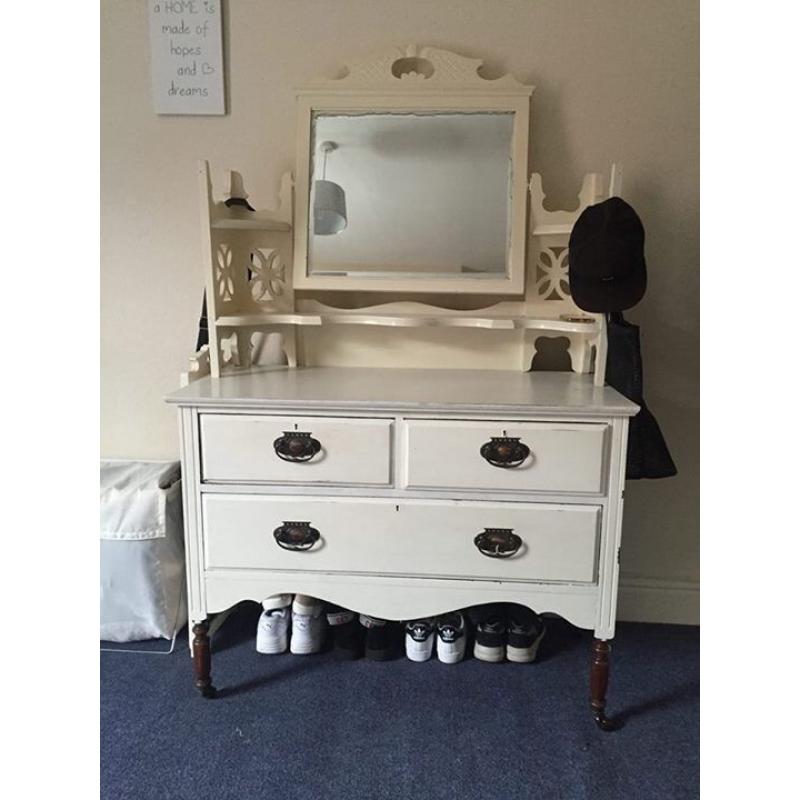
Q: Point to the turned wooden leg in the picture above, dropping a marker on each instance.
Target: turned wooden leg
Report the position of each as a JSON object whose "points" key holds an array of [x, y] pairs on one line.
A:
{"points": [[598, 681], [201, 660]]}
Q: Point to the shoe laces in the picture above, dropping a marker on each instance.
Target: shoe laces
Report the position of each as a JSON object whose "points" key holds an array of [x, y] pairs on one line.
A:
{"points": [[493, 625], [302, 621], [525, 625], [273, 619]]}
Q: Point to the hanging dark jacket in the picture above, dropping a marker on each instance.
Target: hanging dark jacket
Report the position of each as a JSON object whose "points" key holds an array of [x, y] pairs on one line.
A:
{"points": [[648, 456]]}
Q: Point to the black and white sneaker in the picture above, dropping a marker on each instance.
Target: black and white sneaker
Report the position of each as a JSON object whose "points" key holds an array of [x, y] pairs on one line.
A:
{"points": [[490, 635], [380, 641], [451, 637], [347, 636], [525, 632], [420, 637]]}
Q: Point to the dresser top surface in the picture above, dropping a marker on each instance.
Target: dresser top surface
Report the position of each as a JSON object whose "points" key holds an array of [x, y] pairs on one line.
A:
{"points": [[484, 391]]}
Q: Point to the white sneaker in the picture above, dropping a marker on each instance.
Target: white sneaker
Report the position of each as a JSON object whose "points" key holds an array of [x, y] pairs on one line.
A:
{"points": [[451, 637], [420, 636], [308, 625], [273, 631]]}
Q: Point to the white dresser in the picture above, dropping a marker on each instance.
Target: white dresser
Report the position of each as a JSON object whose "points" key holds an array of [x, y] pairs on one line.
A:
{"points": [[411, 235], [405, 493]]}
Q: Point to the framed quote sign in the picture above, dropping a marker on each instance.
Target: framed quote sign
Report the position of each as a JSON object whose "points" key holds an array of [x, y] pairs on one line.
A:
{"points": [[187, 69]]}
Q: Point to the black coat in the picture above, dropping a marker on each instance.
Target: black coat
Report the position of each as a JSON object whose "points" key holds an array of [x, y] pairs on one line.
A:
{"points": [[648, 456]]}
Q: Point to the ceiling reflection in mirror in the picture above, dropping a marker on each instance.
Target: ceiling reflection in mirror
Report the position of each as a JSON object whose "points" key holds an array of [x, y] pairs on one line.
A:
{"points": [[410, 194]]}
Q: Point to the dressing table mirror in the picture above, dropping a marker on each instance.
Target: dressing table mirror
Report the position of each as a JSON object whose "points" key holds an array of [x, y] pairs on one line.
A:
{"points": [[406, 276], [404, 188]]}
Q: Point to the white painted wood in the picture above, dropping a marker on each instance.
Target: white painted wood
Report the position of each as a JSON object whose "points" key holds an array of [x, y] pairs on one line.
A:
{"points": [[600, 345], [615, 181], [427, 70], [560, 394], [186, 65], [245, 258], [207, 253], [548, 275], [232, 235], [430, 79], [400, 553], [545, 222], [401, 490], [399, 493], [612, 533], [390, 597], [253, 223], [433, 538], [446, 454], [192, 525], [240, 448], [199, 366], [259, 320]]}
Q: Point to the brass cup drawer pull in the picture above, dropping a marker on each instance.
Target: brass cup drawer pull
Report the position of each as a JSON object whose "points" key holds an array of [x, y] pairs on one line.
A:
{"points": [[297, 536], [505, 452], [296, 446], [498, 542]]}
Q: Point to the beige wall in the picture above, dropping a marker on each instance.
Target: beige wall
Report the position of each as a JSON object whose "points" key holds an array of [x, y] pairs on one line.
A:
{"points": [[616, 80]]}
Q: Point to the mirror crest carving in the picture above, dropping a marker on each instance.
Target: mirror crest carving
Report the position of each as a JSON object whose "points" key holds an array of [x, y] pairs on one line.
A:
{"points": [[426, 67]]}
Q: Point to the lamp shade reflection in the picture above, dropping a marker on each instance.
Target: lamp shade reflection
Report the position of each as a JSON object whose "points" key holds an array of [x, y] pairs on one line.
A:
{"points": [[330, 209]]}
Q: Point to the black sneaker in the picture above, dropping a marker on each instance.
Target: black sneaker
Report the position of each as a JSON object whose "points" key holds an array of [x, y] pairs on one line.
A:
{"points": [[451, 637], [525, 631], [490, 634], [347, 636], [420, 638], [380, 643]]}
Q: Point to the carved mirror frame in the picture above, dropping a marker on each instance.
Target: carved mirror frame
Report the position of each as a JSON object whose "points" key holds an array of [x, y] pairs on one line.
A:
{"points": [[423, 79]]}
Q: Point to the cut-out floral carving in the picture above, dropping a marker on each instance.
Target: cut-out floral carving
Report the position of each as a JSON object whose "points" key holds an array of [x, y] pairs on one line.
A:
{"points": [[223, 272], [413, 67], [267, 275], [552, 277]]}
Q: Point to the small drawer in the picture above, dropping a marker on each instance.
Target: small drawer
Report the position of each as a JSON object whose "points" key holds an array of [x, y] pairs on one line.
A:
{"points": [[490, 541], [316, 450], [506, 456]]}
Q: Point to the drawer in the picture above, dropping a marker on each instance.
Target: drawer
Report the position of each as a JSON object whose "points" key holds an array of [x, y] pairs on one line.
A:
{"points": [[431, 538], [447, 454], [316, 450]]}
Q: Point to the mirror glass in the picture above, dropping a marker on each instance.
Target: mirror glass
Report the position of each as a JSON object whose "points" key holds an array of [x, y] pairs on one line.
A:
{"points": [[407, 195]]}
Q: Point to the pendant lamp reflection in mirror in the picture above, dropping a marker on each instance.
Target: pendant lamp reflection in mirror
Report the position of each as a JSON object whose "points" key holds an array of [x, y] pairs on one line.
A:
{"points": [[330, 211]]}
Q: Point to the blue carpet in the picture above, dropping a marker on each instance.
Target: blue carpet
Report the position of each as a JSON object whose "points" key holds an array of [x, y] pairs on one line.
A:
{"points": [[313, 728]]}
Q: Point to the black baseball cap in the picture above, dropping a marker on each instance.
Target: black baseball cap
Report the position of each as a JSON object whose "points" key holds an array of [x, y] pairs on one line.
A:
{"points": [[607, 271]]}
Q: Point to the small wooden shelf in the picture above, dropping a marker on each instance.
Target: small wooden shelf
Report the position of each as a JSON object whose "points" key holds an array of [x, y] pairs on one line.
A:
{"points": [[251, 224], [552, 229], [255, 320]]}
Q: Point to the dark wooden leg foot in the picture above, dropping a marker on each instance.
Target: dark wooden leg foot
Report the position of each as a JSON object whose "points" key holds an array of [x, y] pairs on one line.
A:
{"points": [[201, 660], [598, 682]]}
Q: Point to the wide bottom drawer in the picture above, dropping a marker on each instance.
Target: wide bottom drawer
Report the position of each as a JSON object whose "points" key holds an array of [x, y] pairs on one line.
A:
{"points": [[459, 539]]}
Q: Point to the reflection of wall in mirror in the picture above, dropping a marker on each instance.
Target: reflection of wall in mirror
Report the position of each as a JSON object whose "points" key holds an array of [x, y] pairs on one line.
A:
{"points": [[426, 193]]}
